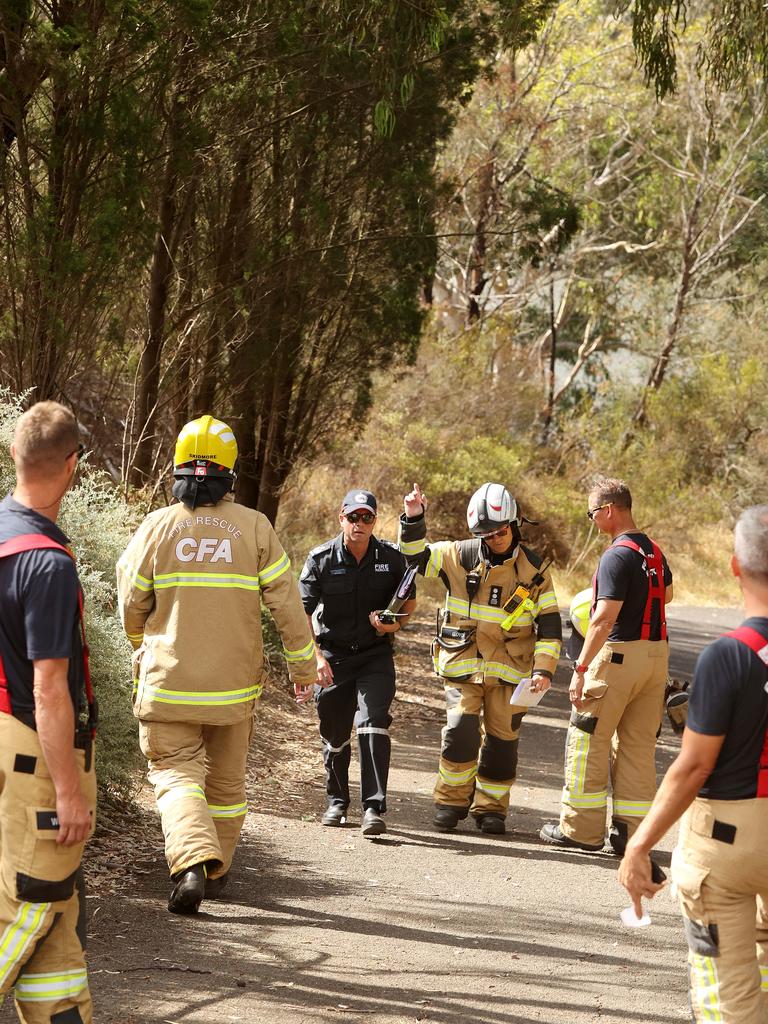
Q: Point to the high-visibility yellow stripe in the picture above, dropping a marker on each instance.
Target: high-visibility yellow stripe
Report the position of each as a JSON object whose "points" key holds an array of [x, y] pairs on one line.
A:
{"points": [[50, 987], [574, 799], [412, 547], [631, 808], [705, 987], [272, 572], [134, 577], [764, 977], [228, 810], [304, 654], [498, 790], [19, 934], [546, 602], [547, 648], [207, 698], [498, 670], [477, 611], [457, 778], [467, 667], [435, 563], [135, 638], [231, 580], [577, 749], [176, 793]]}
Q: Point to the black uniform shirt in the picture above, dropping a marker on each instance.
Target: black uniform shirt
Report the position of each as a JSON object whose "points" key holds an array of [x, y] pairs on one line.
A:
{"points": [[341, 593], [728, 698], [621, 576], [39, 615]]}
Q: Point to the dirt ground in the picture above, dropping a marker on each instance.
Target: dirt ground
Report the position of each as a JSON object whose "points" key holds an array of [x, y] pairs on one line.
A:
{"points": [[320, 924]]}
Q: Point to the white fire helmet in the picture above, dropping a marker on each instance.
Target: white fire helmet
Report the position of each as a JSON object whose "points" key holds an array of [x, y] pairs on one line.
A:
{"points": [[581, 606], [490, 508]]}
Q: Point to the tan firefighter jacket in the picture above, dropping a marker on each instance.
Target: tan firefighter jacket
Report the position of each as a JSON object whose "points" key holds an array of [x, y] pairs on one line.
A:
{"points": [[532, 643], [190, 586]]}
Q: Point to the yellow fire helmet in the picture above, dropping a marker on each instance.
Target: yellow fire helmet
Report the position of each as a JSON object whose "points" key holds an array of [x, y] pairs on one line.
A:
{"points": [[205, 447], [581, 606]]}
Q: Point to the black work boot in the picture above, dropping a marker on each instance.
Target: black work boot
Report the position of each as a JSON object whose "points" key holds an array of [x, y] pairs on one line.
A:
{"points": [[373, 823], [618, 837], [492, 824], [447, 817], [214, 887], [189, 890], [335, 815], [552, 833]]}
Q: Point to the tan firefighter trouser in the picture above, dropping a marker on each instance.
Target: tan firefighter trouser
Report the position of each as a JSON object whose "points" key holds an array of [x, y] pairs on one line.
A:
{"points": [[720, 870], [198, 773], [614, 730], [462, 772], [41, 954]]}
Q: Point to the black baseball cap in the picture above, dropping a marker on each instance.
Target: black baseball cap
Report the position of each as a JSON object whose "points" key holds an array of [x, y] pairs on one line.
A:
{"points": [[358, 499]]}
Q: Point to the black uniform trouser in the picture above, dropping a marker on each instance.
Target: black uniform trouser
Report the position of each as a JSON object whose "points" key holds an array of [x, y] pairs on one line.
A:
{"points": [[362, 691]]}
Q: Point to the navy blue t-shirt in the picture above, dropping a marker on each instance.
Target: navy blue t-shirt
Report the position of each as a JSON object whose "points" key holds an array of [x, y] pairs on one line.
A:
{"points": [[39, 616], [728, 698], [622, 576]]}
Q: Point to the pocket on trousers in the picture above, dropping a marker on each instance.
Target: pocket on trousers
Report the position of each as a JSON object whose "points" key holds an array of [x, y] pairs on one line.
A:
{"points": [[688, 878], [47, 870]]}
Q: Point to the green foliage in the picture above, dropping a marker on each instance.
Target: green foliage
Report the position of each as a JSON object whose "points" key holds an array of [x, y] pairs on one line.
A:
{"points": [[98, 524]]}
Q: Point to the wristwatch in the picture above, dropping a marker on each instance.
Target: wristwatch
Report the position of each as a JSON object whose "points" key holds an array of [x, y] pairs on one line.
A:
{"points": [[581, 669]]}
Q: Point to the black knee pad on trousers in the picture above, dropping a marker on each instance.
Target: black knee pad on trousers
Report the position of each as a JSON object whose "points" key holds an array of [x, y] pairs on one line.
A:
{"points": [[70, 1016], [703, 939], [461, 737], [498, 758]]}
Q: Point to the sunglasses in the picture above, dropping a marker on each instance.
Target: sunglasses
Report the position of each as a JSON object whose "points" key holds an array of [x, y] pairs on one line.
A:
{"points": [[356, 517], [79, 452], [496, 533], [592, 512]]}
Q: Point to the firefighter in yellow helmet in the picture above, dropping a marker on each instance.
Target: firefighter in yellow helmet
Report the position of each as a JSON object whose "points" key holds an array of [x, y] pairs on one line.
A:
{"points": [[190, 586]]}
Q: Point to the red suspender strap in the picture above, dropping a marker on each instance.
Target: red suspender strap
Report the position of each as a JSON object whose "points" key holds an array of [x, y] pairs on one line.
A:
{"points": [[757, 643], [36, 542], [656, 587]]}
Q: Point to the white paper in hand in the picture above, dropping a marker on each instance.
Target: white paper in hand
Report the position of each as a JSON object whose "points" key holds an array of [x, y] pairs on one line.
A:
{"points": [[631, 920], [524, 696]]}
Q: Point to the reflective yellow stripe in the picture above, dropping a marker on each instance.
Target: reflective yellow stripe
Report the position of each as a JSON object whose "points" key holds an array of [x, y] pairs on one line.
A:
{"points": [[546, 602], [705, 987], [435, 563], [212, 698], [232, 580], [547, 648], [764, 977], [498, 670], [177, 793], [135, 638], [575, 799], [272, 572], [631, 808], [479, 612], [134, 576], [457, 778], [467, 667], [228, 810], [577, 749], [412, 547], [498, 790], [49, 987], [301, 655], [19, 934]]}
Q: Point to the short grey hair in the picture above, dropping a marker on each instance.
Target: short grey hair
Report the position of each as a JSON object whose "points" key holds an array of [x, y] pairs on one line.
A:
{"points": [[750, 541]]}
